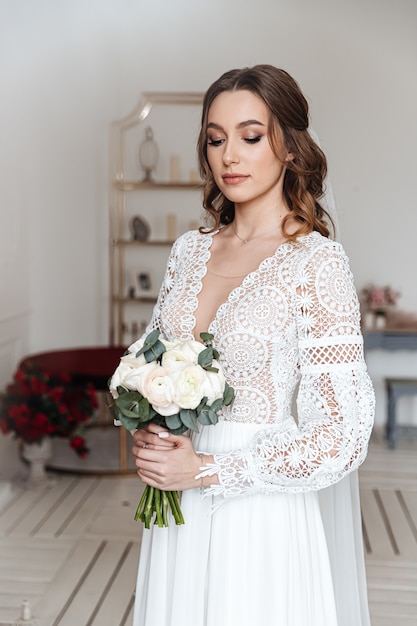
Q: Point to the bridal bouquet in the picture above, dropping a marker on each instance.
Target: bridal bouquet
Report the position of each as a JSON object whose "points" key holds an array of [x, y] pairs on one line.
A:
{"points": [[177, 384]]}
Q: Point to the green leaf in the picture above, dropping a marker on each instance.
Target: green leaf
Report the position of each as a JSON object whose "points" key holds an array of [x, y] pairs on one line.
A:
{"points": [[207, 417], [173, 422], [201, 405], [133, 404], [205, 358], [152, 348], [203, 416], [206, 338], [130, 423], [179, 431], [216, 405], [228, 395], [189, 419]]}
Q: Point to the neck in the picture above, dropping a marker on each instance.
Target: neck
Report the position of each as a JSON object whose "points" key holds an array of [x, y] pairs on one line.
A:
{"points": [[247, 226]]}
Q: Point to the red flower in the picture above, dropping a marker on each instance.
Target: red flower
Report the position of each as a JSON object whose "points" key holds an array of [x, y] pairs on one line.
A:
{"points": [[38, 403], [40, 420], [77, 442]]}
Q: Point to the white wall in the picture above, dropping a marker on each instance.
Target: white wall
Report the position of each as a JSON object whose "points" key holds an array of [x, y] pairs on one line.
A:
{"points": [[68, 67]]}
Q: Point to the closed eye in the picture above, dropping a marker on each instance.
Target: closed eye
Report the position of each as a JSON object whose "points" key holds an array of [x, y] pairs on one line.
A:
{"points": [[215, 142], [253, 139]]}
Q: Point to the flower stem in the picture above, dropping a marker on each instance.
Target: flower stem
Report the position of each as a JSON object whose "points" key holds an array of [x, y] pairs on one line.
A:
{"points": [[149, 507], [157, 506], [165, 503], [156, 502], [141, 504], [175, 506]]}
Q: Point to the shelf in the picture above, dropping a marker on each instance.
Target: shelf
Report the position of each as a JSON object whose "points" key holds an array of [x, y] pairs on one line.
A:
{"points": [[135, 242], [144, 299], [151, 201], [131, 185]]}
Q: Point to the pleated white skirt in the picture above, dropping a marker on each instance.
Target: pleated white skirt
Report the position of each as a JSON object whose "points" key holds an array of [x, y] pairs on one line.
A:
{"points": [[244, 561]]}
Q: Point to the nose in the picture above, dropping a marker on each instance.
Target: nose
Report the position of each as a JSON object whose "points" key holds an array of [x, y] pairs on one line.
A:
{"points": [[230, 155]]}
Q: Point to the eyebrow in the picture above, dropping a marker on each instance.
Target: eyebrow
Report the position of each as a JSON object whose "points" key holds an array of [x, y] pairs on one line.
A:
{"points": [[240, 125]]}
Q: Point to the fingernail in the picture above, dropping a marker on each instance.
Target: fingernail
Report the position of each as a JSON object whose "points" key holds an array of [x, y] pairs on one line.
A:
{"points": [[163, 434]]}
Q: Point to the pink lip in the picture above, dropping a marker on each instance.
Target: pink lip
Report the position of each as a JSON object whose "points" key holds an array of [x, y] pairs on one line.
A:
{"points": [[234, 179]]}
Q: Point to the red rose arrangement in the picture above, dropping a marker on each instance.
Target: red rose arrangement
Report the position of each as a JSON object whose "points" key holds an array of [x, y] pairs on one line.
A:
{"points": [[38, 404]]}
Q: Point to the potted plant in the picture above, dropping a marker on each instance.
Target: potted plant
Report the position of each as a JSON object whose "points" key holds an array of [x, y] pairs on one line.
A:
{"points": [[39, 405]]}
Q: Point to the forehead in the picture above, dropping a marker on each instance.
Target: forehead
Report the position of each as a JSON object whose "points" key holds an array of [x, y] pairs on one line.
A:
{"points": [[236, 107]]}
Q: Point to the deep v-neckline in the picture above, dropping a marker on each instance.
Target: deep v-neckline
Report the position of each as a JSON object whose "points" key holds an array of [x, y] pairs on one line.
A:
{"points": [[205, 259]]}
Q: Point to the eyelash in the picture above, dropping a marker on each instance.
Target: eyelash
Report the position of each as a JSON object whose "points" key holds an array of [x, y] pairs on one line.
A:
{"points": [[218, 142]]}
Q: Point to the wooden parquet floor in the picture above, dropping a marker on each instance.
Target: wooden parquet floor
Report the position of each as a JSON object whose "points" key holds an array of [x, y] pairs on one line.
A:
{"points": [[71, 548]]}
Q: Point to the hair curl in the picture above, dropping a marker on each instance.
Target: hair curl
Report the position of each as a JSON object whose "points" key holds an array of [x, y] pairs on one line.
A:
{"points": [[288, 122]]}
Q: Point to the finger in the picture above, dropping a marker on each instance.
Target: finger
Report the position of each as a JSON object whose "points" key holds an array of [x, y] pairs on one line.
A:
{"points": [[156, 428]]}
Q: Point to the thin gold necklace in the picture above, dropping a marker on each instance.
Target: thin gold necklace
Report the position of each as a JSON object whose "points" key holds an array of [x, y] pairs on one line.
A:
{"points": [[256, 236]]}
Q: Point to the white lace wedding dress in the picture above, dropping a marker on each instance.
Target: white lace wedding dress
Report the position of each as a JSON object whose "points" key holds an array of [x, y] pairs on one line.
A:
{"points": [[278, 541]]}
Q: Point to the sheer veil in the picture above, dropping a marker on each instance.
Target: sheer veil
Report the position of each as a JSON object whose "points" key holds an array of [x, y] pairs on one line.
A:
{"points": [[341, 513], [328, 200]]}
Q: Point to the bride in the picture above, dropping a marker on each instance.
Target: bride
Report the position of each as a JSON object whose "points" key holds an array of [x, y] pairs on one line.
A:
{"points": [[269, 495]]}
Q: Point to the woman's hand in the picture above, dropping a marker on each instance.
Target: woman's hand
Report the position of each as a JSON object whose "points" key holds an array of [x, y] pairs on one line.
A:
{"points": [[165, 461]]}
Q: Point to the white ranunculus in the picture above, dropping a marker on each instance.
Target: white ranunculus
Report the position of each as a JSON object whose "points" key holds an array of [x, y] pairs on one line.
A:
{"points": [[214, 384], [189, 383], [133, 380], [158, 389], [118, 377], [174, 361], [133, 361], [191, 349], [138, 345]]}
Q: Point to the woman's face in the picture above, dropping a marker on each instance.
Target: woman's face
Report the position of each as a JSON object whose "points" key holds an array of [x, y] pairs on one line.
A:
{"points": [[240, 156]]}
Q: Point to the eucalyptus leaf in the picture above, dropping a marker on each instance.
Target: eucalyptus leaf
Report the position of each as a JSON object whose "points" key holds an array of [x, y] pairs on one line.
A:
{"points": [[173, 422], [149, 341], [204, 418], [216, 404], [202, 404], [206, 337], [228, 395], [128, 403], [205, 358], [130, 423], [179, 431], [208, 417], [189, 419], [154, 352]]}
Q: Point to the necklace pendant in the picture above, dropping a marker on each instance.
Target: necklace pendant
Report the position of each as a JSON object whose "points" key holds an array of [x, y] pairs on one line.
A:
{"points": [[245, 241]]}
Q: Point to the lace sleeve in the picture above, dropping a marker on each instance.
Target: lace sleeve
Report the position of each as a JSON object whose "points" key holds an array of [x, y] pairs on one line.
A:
{"points": [[335, 400], [166, 286]]}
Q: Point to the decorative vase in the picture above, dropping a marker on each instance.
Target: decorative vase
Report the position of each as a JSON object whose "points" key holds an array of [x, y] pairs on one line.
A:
{"points": [[148, 155], [369, 320], [37, 454], [380, 320]]}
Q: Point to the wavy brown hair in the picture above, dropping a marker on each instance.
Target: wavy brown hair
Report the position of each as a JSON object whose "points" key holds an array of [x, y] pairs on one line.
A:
{"points": [[288, 123]]}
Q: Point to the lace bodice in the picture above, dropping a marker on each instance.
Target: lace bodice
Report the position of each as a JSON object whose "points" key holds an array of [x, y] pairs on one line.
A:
{"points": [[292, 323]]}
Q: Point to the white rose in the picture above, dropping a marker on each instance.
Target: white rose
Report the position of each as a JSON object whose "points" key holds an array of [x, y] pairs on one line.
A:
{"points": [[214, 384], [189, 382]]}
